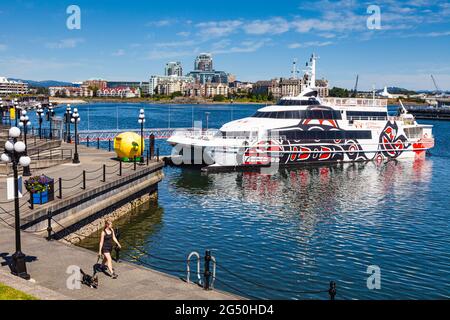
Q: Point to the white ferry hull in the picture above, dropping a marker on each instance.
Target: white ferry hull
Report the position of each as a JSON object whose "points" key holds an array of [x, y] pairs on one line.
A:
{"points": [[387, 144]]}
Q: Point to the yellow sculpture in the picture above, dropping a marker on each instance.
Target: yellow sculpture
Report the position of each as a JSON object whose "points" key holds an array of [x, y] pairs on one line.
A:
{"points": [[127, 145]]}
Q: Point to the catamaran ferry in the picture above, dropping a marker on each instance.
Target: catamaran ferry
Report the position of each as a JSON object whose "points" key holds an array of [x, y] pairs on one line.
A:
{"points": [[308, 129]]}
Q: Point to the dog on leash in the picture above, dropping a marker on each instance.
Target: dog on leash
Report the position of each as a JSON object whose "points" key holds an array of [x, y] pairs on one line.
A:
{"points": [[90, 281]]}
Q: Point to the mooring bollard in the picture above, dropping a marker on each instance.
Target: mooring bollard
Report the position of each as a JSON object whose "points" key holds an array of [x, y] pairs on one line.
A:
{"points": [[60, 187], [207, 273], [134, 160], [152, 146], [157, 154], [109, 145], [84, 180], [31, 201], [148, 156], [104, 172], [49, 225], [120, 167], [332, 290]]}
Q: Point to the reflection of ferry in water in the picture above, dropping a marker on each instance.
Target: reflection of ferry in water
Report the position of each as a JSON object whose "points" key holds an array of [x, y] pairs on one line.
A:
{"points": [[306, 129]]}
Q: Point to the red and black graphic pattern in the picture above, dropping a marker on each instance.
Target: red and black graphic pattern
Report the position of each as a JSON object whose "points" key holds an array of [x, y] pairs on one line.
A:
{"points": [[391, 144]]}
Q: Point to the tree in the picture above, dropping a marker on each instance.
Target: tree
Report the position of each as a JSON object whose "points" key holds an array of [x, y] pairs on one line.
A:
{"points": [[176, 94], [339, 92], [94, 89], [219, 98]]}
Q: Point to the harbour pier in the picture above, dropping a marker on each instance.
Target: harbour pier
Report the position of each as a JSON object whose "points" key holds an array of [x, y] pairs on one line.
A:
{"points": [[98, 184], [84, 192]]}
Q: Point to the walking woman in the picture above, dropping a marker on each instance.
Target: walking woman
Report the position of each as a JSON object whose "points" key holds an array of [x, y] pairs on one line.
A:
{"points": [[106, 245]]}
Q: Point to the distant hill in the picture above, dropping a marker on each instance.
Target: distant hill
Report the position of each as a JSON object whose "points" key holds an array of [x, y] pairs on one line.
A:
{"points": [[46, 83], [397, 90]]}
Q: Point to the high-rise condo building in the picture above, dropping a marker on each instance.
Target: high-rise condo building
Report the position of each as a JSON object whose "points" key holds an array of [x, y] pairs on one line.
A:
{"points": [[174, 69]]}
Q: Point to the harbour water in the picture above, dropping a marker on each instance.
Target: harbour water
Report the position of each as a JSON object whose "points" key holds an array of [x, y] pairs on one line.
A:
{"points": [[296, 230]]}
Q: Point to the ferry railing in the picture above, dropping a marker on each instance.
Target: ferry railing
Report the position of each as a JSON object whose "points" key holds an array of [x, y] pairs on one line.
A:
{"points": [[359, 102]]}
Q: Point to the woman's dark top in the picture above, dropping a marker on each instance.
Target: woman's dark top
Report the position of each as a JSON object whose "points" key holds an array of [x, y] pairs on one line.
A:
{"points": [[107, 242]]}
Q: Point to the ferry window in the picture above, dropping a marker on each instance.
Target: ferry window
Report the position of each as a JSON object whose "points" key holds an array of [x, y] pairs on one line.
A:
{"points": [[366, 114]]}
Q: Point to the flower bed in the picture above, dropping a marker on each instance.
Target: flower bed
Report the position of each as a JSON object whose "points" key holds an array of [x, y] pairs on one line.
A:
{"points": [[41, 188]]}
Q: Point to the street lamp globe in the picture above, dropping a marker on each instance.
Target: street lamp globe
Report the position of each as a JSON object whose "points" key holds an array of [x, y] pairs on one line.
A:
{"points": [[14, 132], [5, 158], [9, 146], [19, 146], [24, 161]]}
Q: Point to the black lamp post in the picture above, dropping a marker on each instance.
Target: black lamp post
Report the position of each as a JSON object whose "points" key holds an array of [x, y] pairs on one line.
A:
{"points": [[67, 121], [75, 120], [15, 103], [3, 111], [39, 113], [141, 121], [50, 114], [15, 153], [25, 123]]}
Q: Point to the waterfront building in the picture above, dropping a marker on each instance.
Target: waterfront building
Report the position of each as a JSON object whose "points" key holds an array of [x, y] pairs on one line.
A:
{"points": [[8, 87], [204, 77], [145, 88], [81, 91], [173, 69], [239, 87], [195, 90], [283, 87], [168, 84], [215, 89], [267, 87], [119, 92], [204, 72], [203, 62], [121, 84], [289, 87], [96, 83], [322, 87]]}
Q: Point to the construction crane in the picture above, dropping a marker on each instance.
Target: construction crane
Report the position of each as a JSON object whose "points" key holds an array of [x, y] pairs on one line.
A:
{"points": [[435, 85], [355, 91]]}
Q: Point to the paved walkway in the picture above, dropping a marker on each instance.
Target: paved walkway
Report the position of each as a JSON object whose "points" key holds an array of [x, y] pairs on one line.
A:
{"points": [[50, 260]]}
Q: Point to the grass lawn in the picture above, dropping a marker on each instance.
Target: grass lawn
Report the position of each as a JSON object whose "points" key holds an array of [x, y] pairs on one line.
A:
{"points": [[8, 293]]}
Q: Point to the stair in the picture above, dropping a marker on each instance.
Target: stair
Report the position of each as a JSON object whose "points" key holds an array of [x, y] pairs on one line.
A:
{"points": [[44, 153]]}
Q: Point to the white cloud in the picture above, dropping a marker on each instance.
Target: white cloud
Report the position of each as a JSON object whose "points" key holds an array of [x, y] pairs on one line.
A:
{"points": [[177, 43], [170, 54], [243, 47], [217, 29], [118, 53], [183, 33], [160, 23], [271, 26], [308, 44], [64, 43]]}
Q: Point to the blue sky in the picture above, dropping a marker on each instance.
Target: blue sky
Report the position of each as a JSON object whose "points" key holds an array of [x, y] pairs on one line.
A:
{"points": [[131, 40]]}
